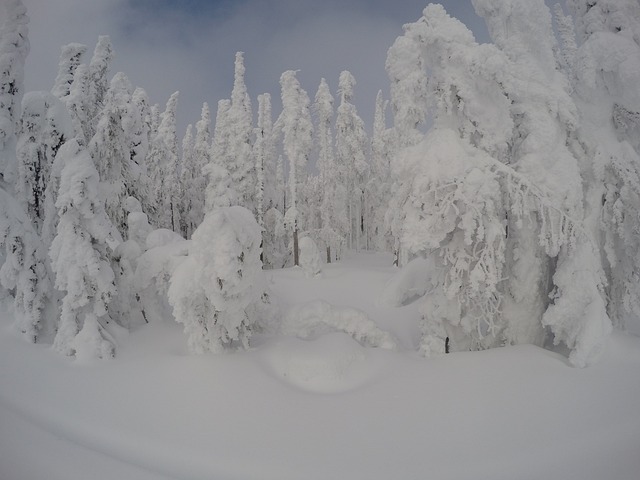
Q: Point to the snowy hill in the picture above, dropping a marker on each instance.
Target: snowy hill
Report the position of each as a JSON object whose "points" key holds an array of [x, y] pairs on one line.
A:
{"points": [[323, 407]]}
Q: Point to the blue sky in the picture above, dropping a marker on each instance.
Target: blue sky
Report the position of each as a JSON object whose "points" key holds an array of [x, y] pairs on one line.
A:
{"points": [[189, 45]]}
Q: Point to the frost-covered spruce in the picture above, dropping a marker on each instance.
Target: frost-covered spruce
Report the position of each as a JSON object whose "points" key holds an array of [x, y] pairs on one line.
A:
{"points": [[350, 156], [70, 57], [14, 47], [193, 181], [79, 256], [220, 192], [294, 123], [22, 268], [162, 164], [46, 125], [214, 290]]}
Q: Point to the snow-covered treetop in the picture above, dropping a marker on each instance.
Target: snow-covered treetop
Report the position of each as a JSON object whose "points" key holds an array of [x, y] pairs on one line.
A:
{"points": [[70, 58]]}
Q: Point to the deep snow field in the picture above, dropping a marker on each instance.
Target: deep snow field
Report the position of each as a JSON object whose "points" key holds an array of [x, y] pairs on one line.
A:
{"points": [[324, 407]]}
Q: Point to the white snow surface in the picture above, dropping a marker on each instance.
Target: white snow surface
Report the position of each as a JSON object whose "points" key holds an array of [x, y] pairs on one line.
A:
{"points": [[321, 407]]}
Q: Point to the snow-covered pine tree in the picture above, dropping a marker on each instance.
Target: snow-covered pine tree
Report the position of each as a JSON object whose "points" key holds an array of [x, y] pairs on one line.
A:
{"points": [[192, 177], [98, 80], [240, 160], [264, 154], [333, 225], [70, 59], [498, 152], [77, 104], [294, 123], [138, 124], [110, 149], [162, 164], [606, 68], [220, 191], [22, 269], [377, 192], [408, 88], [80, 259], [14, 47], [45, 126], [186, 160], [22, 272], [212, 292], [351, 141]]}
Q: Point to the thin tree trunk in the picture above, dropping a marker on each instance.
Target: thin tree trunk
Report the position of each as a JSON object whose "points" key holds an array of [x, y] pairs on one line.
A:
{"points": [[295, 247], [328, 254]]}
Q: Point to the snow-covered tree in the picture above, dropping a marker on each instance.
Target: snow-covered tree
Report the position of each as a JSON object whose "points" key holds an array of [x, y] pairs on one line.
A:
{"points": [[606, 69], [111, 148], [333, 204], [162, 164], [80, 259], [493, 190], [214, 290], [297, 131], [14, 47], [186, 160], [78, 104], [70, 59], [98, 80], [193, 179], [377, 192], [239, 158], [45, 127], [22, 270], [350, 156], [264, 153], [220, 191], [139, 126]]}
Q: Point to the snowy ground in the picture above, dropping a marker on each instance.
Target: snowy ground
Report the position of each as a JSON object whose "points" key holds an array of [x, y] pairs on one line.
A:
{"points": [[321, 408]]}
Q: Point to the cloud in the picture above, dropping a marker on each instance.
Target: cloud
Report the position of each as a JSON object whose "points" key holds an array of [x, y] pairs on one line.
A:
{"points": [[169, 45]]}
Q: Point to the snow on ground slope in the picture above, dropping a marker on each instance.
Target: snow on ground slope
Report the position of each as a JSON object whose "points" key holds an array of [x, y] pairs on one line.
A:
{"points": [[324, 407]]}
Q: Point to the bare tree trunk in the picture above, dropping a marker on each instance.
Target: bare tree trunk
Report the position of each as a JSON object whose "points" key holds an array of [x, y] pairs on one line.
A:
{"points": [[328, 254], [295, 247]]}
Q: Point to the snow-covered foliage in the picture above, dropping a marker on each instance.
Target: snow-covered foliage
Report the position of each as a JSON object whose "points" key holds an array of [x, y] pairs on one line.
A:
{"points": [[192, 178], [214, 290], [318, 317], [607, 71], [154, 268], [350, 156], [296, 128], [220, 192], [70, 59], [23, 270], [162, 164], [80, 257], [14, 47], [310, 259], [45, 126]]}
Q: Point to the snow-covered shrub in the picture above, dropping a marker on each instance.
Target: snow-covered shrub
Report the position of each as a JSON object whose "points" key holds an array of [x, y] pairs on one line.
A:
{"points": [[154, 269], [310, 259], [318, 317], [213, 291]]}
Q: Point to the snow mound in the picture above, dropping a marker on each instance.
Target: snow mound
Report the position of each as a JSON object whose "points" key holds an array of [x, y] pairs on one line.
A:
{"points": [[315, 318], [409, 284], [332, 363], [310, 260], [162, 237]]}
